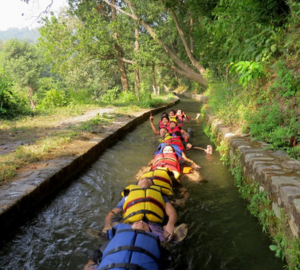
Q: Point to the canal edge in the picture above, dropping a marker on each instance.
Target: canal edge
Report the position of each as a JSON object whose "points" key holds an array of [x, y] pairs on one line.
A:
{"points": [[22, 197], [269, 180]]}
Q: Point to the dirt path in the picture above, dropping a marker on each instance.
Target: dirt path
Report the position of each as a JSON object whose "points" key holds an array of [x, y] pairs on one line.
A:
{"points": [[10, 139]]}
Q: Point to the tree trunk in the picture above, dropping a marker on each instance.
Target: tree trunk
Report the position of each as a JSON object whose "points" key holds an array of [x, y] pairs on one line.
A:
{"points": [[120, 54], [153, 77], [154, 90], [30, 94], [191, 35], [136, 50], [183, 69]]}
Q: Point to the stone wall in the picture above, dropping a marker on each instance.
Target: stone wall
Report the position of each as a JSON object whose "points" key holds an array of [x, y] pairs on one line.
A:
{"points": [[276, 173]]}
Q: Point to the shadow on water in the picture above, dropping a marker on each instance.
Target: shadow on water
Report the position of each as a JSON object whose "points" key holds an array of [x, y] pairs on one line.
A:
{"points": [[222, 235]]}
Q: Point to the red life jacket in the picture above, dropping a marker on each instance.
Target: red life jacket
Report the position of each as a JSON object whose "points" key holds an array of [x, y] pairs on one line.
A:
{"points": [[176, 140], [168, 160], [171, 131], [161, 125]]}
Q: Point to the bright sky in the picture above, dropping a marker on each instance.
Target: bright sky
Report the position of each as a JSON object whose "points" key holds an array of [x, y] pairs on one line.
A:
{"points": [[16, 13]]}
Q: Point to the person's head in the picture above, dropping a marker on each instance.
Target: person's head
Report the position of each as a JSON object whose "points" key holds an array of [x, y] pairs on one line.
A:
{"points": [[172, 113], [165, 120], [168, 149], [140, 225], [145, 182], [162, 132], [164, 114], [173, 123], [179, 112]]}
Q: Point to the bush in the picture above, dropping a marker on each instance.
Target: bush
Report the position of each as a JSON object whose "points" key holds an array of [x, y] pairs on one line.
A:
{"points": [[53, 99], [127, 96], [11, 105], [110, 95]]}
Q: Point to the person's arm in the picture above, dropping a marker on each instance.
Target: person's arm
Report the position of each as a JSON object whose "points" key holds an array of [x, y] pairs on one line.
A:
{"points": [[185, 158], [108, 219], [185, 135], [172, 215], [155, 131]]}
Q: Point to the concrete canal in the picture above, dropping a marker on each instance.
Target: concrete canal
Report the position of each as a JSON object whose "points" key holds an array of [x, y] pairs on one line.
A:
{"points": [[222, 234]]}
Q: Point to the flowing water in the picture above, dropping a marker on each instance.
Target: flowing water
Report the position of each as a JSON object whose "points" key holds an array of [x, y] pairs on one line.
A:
{"points": [[222, 234]]}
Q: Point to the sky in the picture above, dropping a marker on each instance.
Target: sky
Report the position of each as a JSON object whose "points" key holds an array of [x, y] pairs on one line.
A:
{"points": [[16, 13]]}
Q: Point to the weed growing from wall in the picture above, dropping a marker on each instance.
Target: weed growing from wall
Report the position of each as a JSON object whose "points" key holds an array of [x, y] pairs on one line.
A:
{"points": [[285, 245]]}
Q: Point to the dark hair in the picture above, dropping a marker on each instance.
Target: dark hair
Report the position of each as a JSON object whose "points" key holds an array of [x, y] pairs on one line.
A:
{"points": [[173, 111], [164, 114], [163, 128]]}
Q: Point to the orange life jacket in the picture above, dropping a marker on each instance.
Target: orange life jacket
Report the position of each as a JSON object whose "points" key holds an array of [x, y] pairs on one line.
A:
{"points": [[169, 160], [175, 140]]}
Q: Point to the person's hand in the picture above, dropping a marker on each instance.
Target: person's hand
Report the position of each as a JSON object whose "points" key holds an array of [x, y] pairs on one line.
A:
{"points": [[106, 228], [169, 231], [189, 146], [151, 118], [196, 166], [208, 150]]}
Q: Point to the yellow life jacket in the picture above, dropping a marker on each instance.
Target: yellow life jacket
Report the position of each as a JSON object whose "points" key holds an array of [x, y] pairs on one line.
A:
{"points": [[161, 177], [143, 203], [168, 136]]}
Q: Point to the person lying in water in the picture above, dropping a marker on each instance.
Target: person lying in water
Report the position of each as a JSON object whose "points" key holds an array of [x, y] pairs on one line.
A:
{"points": [[170, 158], [166, 137], [130, 247], [145, 202], [166, 124]]}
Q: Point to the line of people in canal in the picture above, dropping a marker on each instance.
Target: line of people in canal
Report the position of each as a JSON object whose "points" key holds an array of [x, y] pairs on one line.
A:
{"points": [[149, 217]]}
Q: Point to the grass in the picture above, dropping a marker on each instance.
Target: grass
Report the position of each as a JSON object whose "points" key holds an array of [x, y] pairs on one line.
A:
{"points": [[48, 135]]}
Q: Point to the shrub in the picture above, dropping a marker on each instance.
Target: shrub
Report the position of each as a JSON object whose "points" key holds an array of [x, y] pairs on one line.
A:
{"points": [[11, 105], [110, 95], [53, 99]]}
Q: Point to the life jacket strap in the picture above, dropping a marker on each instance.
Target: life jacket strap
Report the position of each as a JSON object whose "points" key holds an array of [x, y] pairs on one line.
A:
{"points": [[134, 248], [161, 179], [140, 200], [141, 232], [143, 212], [123, 265], [154, 236]]}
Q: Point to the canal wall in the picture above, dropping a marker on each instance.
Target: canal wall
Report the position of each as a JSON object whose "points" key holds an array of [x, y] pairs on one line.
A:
{"points": [[269, 180], [34, 185]]}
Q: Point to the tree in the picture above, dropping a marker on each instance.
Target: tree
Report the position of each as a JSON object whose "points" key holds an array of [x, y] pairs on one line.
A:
{"points": [[192, 70], [23, 63]]}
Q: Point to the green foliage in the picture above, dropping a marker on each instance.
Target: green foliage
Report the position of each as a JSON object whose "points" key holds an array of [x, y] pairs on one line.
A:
{"points": [[53, 99], [22, 61], [110, 95], [127, 96], [247, 71], [96, 121], [223, 149], [287, 80], [11, 105], [272, 125]]}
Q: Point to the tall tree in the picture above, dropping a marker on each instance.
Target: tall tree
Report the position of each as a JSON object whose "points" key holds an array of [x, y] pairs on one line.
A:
{"points": [[192, 70], [23, 62]]}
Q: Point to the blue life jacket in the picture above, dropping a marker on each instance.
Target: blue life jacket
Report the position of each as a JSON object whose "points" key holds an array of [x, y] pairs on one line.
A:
{"points": [[162, 145], [131, 249]]}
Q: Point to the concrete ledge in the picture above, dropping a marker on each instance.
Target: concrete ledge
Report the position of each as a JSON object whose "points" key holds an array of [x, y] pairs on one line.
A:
{"points": [[31, 187]]}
